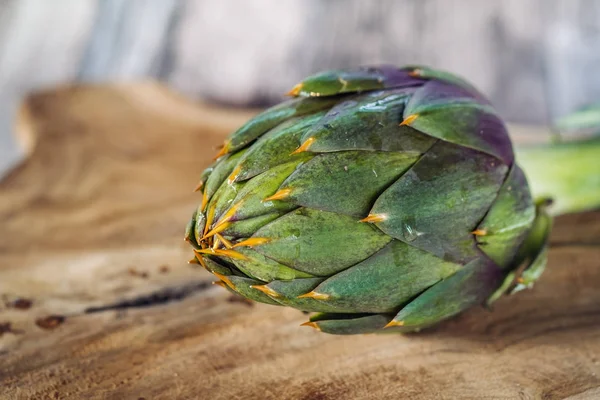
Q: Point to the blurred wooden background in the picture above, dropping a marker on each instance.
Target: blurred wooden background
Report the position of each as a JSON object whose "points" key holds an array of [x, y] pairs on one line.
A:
{"points": [[536, 59]]}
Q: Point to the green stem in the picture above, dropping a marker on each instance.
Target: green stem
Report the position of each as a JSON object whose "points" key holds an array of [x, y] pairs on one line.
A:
{"points": [[567, 172]]}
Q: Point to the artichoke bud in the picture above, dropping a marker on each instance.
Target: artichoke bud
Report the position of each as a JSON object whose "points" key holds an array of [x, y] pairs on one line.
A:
{"points": [[377, 197]]}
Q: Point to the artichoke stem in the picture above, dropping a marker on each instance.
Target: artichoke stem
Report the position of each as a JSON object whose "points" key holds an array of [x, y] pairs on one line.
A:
{"points": [[567, 172]]}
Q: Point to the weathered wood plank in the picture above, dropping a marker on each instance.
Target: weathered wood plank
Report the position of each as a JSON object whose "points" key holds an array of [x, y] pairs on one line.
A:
{"points": [[95, 215]]}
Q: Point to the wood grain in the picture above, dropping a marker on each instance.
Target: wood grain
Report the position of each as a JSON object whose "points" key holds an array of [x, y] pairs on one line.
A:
{"points": [[91, 227]]}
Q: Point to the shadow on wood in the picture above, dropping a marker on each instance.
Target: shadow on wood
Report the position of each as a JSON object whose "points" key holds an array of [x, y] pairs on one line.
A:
{"points": [[91, 226]]}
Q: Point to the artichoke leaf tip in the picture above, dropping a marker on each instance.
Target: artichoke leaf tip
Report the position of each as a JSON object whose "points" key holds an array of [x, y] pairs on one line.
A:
{"points": [[312, 324], [394, 323], [223, 151], [304, 146], [251, 242], [373, 218], [295, 91], [279, 195], [409, 120], [314, 295], [224, 279], [266, 290]]}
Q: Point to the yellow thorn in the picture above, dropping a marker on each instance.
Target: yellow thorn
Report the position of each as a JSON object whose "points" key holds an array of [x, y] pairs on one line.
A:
{"points": [[394, 323], [312, 325], [409, 120], [279, 195], [224, 150], [210, 216], [266, 290], [314, 295], [234, 174], [229, 213], [194, 261], [204, 201], [199, 186], [216, 243], [200, 252], [202, 262], [415, 73], [295, 90], [200, 258], [220, 283], [219, 227], [304, 146], [225, 242], [224, 253], [231, 254], [224, 279], [479, 232], [252, 242], [373, 218]]}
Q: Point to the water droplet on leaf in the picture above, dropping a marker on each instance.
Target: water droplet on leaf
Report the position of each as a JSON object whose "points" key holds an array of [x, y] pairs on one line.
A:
{"points": [[409, 233]]}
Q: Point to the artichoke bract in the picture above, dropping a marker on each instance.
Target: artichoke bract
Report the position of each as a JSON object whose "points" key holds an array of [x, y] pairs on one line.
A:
{"points": [[377, 197]]}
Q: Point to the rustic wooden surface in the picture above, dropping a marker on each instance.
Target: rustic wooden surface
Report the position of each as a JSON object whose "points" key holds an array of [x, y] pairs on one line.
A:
{"points": [[91, 234]]}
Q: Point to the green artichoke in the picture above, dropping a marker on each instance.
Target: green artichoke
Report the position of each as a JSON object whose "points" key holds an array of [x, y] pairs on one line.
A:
{"points": [[378, 197]]}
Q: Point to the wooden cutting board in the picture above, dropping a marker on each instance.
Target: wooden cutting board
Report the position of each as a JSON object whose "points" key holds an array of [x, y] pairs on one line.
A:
{"points": [[97, 300]]}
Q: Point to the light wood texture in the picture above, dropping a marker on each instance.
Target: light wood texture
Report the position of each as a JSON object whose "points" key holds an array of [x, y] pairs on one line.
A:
{"points": [[93, 220]]}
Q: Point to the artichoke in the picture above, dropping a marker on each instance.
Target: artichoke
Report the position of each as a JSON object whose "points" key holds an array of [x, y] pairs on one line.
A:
{"points": [[378, 197]]}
